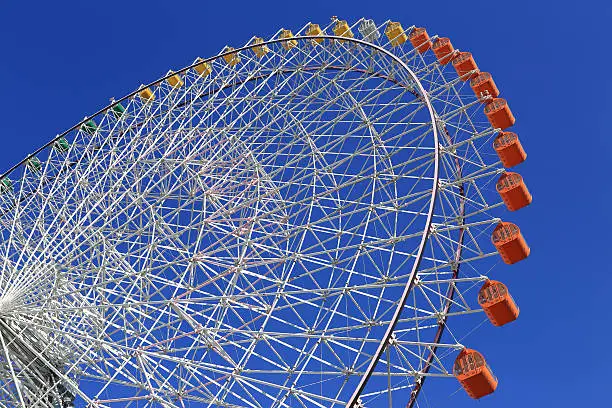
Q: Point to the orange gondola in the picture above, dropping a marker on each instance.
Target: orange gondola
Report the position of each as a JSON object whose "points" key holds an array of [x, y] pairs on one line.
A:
{"points": [[513, 191], [464, 63], [509, 149], [497, 303], [483, 84], [420, 39], [474, 374], [510, 243], [443, 49], [499, 114]]}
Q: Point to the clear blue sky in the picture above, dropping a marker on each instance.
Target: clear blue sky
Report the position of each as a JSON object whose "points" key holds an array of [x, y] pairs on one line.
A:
{"points": [[64, 60]]}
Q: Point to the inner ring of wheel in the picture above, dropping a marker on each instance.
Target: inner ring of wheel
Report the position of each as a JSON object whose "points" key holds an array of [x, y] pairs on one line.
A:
{"points": [[422, 95]]}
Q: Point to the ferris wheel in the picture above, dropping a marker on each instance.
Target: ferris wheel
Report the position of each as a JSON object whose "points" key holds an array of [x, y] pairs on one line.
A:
{"points": [[308, 220]]}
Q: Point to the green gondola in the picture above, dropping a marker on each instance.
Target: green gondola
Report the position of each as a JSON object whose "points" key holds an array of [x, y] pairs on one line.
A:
{"points": [[6, 185], [34, 163], [89, 127], [61, 145], [118, 110]]}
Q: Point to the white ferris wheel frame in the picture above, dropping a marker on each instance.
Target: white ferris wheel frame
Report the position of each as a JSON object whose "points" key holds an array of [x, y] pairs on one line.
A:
{"points": [[411, 281]]}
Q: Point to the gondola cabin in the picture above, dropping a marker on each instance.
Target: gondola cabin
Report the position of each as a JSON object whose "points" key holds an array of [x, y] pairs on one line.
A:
{"points": [[260, 50], [513, 191], [34, 164], [289, 42], [499, 114], [509, 149], [497, 303], [203, 68], [118, 110], [6, 185], [89, 127], [464, 64], [443, 50], [146, 94], [369, 31], [61, 145], [233, 58], [315, 29], [420, 39], [474, 374], [342, 29], [510, 243], [395, 33], [175, 80], [483, 84]]}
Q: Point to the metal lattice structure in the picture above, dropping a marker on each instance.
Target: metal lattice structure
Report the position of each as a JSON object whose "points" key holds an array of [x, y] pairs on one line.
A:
{"points": [[303, 227]]}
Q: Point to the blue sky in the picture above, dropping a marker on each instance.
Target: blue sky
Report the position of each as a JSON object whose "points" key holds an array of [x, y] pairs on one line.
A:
{"points": [[61, 62]]}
